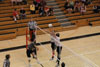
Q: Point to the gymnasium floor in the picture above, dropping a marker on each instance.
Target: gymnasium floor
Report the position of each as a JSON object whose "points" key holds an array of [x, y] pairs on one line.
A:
{"points": [[79, 52]]}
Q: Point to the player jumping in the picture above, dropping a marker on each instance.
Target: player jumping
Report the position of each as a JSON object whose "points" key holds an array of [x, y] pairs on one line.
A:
{"points": [[58, 44]]}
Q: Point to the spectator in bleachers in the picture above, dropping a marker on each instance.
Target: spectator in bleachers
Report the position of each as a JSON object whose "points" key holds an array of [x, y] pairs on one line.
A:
{"points": [[71, 4], [82, 9], [50, 12], [36, 4], [32, 8], [43, 3], [13, 2], [96, 9], [83, 1], [22, 13], [19, 2], [41, 11], [24, 1], [68, 6], [77, 6], [46, 9], [88, 2], [15, 15]]}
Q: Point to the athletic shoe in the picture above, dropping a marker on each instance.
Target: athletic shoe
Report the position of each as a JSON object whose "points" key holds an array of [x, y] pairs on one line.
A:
{"points": [[57, 65], [51, 58]]}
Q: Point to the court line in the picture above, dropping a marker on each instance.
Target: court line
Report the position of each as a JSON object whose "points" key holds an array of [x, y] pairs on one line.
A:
{"points": [[47, 42], [91, 52], [82, 58], [69, 56]]}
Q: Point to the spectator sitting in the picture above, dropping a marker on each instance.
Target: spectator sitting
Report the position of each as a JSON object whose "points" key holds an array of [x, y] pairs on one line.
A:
{"points": [[22, 13], [24, 1], [38, 2], [66, 5], [83, 1], [19, 2], [77, 6], [32, 9], [82, 9], [36, 5], [96, 9], [71, 4], [15, 15], [46, 9], [14, 2], [43, 3], [50, 12], [88, 2], [41, 11]]}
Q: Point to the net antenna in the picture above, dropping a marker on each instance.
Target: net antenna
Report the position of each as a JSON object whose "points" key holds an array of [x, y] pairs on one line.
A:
{"points": [[27, 38]]}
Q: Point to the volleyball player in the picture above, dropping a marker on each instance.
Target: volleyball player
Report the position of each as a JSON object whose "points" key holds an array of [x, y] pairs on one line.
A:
{"points": [[53, 47], [32, 29], [31, 50], [6, 62], [58, 44], [62, 64]]}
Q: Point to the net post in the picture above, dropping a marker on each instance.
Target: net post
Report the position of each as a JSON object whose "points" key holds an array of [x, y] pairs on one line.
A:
{"points": [[26, 38]]}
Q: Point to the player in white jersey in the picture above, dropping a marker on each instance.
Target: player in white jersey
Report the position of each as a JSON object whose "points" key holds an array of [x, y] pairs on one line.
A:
{"points": [[53, 47], [58, 44]]}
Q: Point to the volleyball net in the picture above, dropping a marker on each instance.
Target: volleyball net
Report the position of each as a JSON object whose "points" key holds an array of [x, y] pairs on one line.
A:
{"points": [[68, 55]]}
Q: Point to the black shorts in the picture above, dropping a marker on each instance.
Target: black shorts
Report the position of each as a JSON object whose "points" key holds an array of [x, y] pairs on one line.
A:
{"points": [[29, 52], [32, 35], [53, 46], [59, 49]]}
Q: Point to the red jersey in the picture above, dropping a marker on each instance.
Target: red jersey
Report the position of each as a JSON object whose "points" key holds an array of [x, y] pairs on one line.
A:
{"points": [[15, 13], [38, 1]]}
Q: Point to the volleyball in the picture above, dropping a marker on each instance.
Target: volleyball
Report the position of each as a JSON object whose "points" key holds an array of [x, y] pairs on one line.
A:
{"points": [[50, 25]]}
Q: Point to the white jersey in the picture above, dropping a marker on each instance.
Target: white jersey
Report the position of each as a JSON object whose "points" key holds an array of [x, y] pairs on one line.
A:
{"points": [[52, 40], [32, 25], [57, 41]]}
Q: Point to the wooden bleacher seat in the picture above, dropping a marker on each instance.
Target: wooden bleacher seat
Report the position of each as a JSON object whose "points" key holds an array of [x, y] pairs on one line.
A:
{"points": [[7, 31], [83, 16], [36, 19], [8, 36], [95, 23], [78, 13], [93, 19], [14, 7], [7, 23]]}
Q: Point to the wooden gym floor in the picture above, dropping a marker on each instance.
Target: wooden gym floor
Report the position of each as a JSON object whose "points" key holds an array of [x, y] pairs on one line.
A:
{"points": [[79, 52]]}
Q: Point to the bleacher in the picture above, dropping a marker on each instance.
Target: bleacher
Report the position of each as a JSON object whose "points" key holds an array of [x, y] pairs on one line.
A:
{"points": [[10, 29], [89, 16]]}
